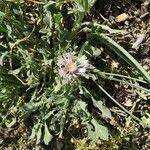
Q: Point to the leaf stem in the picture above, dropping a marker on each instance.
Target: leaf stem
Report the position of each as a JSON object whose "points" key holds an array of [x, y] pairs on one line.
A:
{"points": [[123, 76], [129, 113], [104, 75]]}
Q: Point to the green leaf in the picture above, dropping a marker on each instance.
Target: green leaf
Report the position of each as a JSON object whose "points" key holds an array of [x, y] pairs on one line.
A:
{"points": [[110, 30], [50, 113], [2, 58], [82, 105], [98, 131], [39, 134], [31, 106], [34, 130], [33, 133], [9, 125], [1, 14], [95, 130], [146, 119], [89, 50], [2, 29], [105, 111], [57, 18], [47, 136], [81, 7], [48, 19], [58, 86], [15, 72], [87, 4]]}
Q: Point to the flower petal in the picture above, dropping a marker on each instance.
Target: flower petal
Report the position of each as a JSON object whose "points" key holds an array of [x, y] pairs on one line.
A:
{"points": [[69, 58]]}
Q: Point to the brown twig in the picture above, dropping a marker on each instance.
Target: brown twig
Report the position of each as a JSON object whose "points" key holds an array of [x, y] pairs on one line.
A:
{"points": [[105, 19]]}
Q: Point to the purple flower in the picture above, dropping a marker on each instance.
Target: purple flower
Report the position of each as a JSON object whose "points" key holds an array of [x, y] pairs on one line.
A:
{"points": [[71, 66]]}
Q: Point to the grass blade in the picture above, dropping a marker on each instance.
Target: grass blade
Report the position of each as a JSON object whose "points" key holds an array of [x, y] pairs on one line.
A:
{"points": [[122, 53], [134, 117]]}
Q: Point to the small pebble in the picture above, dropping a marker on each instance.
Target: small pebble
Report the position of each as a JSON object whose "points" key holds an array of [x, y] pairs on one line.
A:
{"points": [[122, 17]]}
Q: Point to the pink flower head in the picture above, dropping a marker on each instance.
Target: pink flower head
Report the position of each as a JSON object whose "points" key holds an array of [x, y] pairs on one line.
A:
{"points": [[71, 66]]}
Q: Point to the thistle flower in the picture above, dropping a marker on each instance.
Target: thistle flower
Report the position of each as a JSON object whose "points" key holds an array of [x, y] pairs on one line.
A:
{"points": [[71, 66]]}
